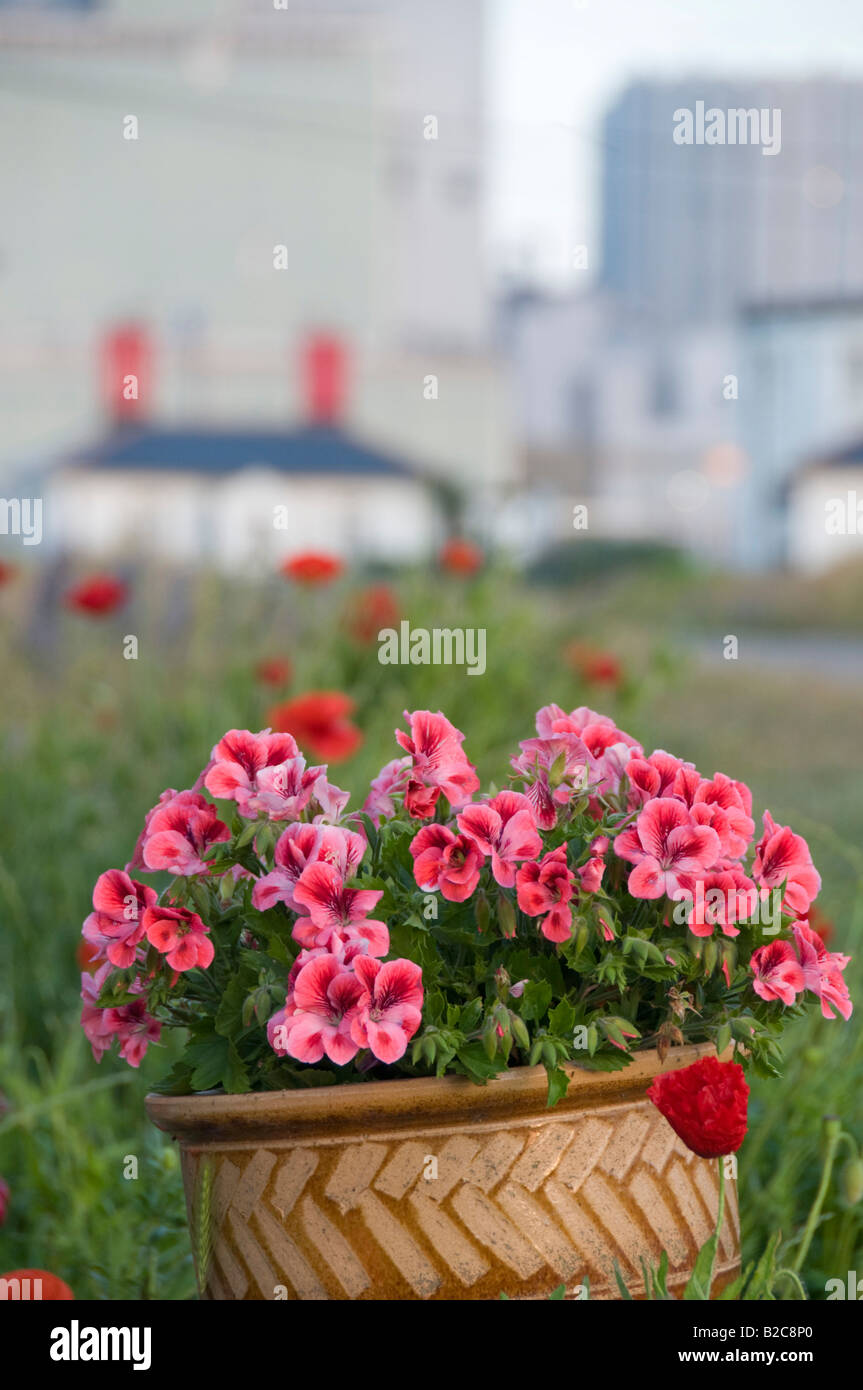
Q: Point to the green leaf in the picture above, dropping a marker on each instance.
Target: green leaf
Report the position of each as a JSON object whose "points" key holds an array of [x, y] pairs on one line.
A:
{"points": [[557, 1294], [229, 1015], [605, 1061], [624, 1291], [561, 1020], [734, 1290], [235, 1078], [470, 1016], [477, 1065], [178, 1082], [761, 1282], [698, 1287], [535, 1000], [659, 1278], [558, 1081], [209, 1057]]}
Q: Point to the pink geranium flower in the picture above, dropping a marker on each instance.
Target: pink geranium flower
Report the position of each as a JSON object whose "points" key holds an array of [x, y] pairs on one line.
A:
{"points": [[504, 828], [822, 971], [554, 771], [180, 936], [327, 801], [130, 1025], [667, 847], [720, 899], [782, 857], [390, 1009], [446, 863], [180, 832], [651, 777], [237, 760], [391, 781], [608, 748], [284, 790], [325, 1000], [438, 764], [545, 890], [777, 972], [727, 806], [590, 874], [115, 926], [336, 910], [300, 845], [169, 795]]}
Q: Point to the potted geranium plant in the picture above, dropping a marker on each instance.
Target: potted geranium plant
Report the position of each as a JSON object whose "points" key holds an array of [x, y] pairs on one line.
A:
{"points": [[420, 1035]]}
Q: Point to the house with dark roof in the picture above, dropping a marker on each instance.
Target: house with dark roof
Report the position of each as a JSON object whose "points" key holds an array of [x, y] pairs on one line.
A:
{"points": [[825, 508], [237, 497]]}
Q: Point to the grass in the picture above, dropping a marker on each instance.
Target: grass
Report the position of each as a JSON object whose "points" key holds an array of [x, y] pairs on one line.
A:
{"points": [[90, 739]]}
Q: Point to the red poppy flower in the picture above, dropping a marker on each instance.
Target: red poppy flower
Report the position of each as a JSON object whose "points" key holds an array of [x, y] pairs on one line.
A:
{"points": [[7, 573], [274, 671], [98, 595], [319, 722], [460, 556], [86, 954], [4, 1200], [370, 610], [594, 665], [821, 924], [705, 1104], [42, 1284], [312, 567]]}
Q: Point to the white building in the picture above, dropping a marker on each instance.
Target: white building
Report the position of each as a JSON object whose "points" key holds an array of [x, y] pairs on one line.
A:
{"points": [[825, 511], [801, 397], [636, 421], [238, 501]]}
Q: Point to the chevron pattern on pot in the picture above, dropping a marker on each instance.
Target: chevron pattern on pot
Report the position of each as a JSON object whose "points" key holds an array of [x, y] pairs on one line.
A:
{"points": [[464, 1212]]}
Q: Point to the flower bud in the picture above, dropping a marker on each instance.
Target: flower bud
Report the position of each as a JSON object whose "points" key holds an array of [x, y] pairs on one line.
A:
{"points": [[506, 915], [519, 1031], [482, 912], [851, 1180]]}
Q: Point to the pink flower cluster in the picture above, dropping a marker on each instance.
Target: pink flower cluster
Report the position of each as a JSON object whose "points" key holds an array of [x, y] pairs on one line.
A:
{"points": [[782, 971], [677, 837], [573, 754], [339, 1003]]}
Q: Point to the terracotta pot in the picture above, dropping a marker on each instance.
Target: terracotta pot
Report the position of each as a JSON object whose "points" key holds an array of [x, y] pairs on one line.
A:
{"points": [[437, 1188]]}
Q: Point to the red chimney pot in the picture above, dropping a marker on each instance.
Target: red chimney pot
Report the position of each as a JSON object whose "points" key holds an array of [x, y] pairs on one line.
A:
{"points": [[324, 365], [126, 362]]}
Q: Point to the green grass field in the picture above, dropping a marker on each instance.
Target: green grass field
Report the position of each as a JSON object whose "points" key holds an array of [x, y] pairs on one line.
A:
{"points": [[90, 739]]}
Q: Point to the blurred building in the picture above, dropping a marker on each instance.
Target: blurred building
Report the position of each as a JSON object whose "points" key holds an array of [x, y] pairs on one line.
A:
{"points": [[690, 232], [234, 176], [825, 510], [722, 345], [628, 418], [233, 497], [801, 398]]}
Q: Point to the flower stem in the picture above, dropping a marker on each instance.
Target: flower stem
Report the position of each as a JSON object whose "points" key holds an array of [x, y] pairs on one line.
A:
{"points": [[833, 1135], [720, 1215]]}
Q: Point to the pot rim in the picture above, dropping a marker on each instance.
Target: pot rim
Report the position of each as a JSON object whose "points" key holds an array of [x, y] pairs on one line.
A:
{"points": [[428, 1101]]}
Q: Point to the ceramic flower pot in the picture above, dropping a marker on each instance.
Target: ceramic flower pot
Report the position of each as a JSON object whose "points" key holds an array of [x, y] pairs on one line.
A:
{"points": [[437, 1188]]}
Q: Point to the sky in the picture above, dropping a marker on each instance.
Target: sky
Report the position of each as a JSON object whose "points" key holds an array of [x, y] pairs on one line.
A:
{"points": [[554, 66]]}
